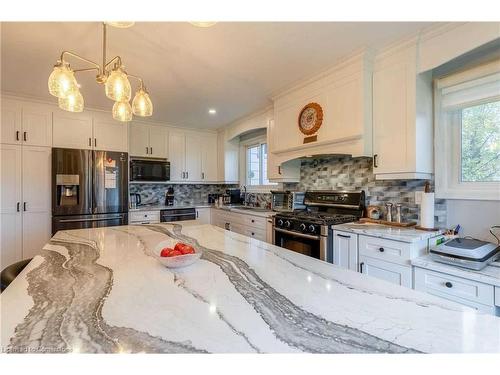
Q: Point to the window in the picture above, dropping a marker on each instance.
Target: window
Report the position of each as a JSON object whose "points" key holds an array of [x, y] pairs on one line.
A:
{"points": [[480, 146], [467, 134], [256, 165]]}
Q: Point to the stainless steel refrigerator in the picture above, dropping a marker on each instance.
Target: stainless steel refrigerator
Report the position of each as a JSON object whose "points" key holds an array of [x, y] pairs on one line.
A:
{"points": [[89, 189]]}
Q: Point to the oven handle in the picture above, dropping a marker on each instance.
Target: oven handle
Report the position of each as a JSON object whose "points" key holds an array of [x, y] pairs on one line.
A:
{"points": [[311, 237]]}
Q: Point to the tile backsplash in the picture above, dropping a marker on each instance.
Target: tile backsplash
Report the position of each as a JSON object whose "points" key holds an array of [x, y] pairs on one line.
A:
{"points": [[347, 173], [183, 194]]}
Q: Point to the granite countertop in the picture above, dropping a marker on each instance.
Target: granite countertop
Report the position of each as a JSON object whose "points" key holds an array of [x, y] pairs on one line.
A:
{"points": [[403, 234], [159, 207], [488, 275], [103, 290]]}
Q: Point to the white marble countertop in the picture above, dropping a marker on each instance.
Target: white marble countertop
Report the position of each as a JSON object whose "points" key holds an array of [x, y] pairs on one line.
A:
{"points": [[488, 275], [103, 290], [403, 234]]}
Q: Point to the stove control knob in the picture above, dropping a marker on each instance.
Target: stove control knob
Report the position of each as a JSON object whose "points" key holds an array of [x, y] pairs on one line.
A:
{"points": [[302, 227], [288, 224], [280, 222], [312, 228]]}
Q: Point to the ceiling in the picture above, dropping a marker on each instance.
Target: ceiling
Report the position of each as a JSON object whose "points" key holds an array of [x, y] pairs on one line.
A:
{"points": [[232, 67]]}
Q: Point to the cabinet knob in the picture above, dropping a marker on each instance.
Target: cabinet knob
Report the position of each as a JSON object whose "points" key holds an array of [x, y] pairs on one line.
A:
{"points": [[253, 234], [253, 221], [448, 284], [381, 249]]}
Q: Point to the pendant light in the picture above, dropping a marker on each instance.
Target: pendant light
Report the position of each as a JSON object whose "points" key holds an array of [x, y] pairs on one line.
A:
{"points": [[117, 86], [142, 105], [72, 102], [122, 111], [62, 81]]}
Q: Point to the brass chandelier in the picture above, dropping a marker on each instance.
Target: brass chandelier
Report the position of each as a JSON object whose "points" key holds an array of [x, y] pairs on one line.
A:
{"points": [[63, 85]]}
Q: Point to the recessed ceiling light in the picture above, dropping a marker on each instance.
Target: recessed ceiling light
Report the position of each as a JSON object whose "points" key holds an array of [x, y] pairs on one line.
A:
{"points": [[212, 111]]}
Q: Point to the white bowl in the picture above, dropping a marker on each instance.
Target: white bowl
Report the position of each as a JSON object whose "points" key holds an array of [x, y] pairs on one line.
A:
{"points": [[177, 261]]}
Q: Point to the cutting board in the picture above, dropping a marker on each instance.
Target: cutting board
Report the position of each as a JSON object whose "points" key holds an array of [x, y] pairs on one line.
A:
{"points": [[384, 222]]}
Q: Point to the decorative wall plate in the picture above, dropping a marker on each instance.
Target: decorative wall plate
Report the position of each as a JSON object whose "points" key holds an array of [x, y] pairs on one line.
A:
{"points": [[310, 118]]}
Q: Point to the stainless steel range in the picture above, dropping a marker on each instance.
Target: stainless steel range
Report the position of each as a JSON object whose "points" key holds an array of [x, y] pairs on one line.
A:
{"points": [[309, 231]]}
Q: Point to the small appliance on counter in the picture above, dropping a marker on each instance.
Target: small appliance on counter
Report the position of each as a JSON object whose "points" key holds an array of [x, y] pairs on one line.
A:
{"points": [[213, 198], [234, 196], [465, 252], [135, 200], [169, 197], [287, 201]]}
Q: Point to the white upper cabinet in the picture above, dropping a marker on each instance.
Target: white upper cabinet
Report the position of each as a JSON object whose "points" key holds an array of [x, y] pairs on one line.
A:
{"points": [[109, 134], [26, 123], [287, 171], [402, 116], [148, 140], [209, 158], [193, 156], [72, 130], [177, 155], [344, 94]]}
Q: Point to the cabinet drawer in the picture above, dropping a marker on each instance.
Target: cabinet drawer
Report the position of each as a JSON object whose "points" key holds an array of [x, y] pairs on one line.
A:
{"points": [[497, 296], [141, 216], [454, 288], [391, 272], [391, 251], [249, 232], [254, 221]]}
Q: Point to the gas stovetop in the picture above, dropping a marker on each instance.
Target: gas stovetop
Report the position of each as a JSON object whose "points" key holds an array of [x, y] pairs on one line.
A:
{"points": [[323, 208]]}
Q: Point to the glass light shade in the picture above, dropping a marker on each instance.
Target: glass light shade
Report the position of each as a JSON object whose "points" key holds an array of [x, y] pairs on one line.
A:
{"points": [[122, 111], [72, 102], [202, 23], [118, 86], [62, 81], [142, 105], [121, 24]]}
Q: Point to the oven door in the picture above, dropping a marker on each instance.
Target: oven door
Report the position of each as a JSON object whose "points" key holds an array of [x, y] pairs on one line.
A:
{"points": [[311, 245], [149, 170]]}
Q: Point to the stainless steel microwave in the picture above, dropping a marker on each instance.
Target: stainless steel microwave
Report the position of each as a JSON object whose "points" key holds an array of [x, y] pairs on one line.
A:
{"points": [[149, 170]]}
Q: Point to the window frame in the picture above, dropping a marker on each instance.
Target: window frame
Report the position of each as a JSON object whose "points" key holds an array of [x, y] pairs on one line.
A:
{"points": [[448, 143], [261, 188]]}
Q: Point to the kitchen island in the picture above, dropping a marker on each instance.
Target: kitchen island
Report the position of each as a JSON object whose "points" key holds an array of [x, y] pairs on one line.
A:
{"points": [[103, 290]]}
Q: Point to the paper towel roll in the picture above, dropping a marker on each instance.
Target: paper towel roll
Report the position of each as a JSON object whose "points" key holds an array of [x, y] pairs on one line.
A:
{"points": [[427, 211]]}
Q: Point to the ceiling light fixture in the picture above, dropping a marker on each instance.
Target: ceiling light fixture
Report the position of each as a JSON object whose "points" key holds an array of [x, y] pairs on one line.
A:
{"points": [[121, 24], [63, 85], [202, 23], [212, 111]]}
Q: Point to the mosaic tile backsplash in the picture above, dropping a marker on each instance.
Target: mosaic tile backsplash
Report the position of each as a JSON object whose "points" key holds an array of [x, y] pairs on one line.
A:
{"points": [[347, 173], [183, 194]]}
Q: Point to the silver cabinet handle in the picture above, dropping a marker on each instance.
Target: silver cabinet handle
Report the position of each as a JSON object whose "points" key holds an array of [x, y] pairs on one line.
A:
{"points": [[343, 235], [17, 135]]}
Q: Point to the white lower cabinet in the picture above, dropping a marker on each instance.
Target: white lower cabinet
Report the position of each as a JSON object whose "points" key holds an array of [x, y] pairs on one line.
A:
{"points": [[345, 250], [467, 292], [25, 201], [203, 215], [248, 225], [391, 272]]}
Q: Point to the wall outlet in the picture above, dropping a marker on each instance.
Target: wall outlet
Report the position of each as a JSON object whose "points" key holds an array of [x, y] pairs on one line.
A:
{"points": [[418, 197]]}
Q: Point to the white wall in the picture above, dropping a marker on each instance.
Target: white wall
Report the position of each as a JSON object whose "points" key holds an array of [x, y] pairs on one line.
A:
{"points": [[475, 217]]}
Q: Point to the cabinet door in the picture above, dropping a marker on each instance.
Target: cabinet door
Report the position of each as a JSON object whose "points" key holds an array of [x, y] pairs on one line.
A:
{"points": [[72, 130], [110, 135], [176, 155], [391, 272], [10, 126], [203, 215], [345, 250], [209, 158], [139, 140], [36, 232], [37, 124], [10, 205], [193, 157], [158, 141], [36, 172], [390, 118]]}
